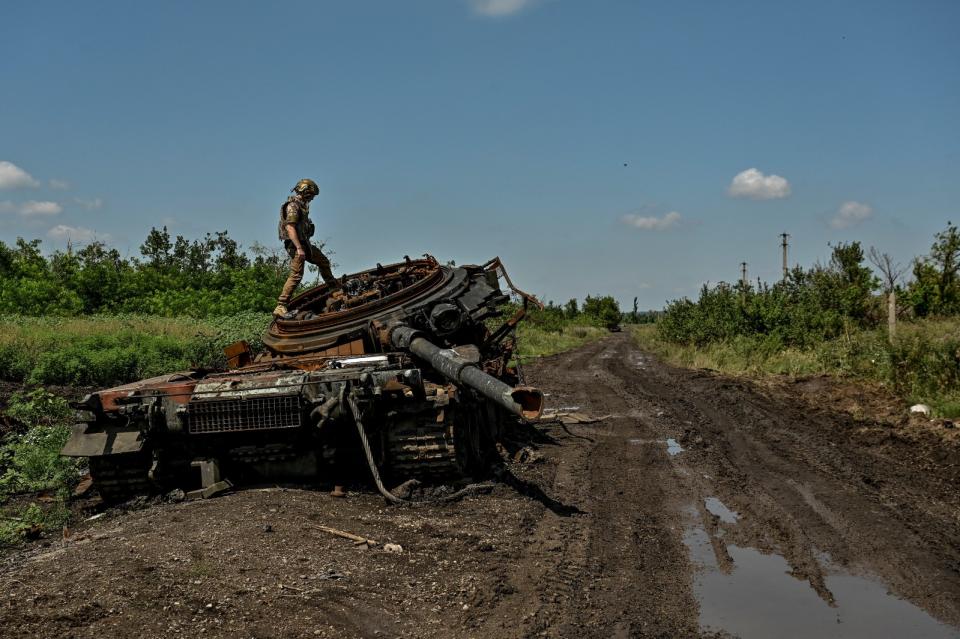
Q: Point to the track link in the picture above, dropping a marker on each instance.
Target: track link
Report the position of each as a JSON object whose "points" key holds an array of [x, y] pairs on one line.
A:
{"points": [[418, 448], [121, 477]]}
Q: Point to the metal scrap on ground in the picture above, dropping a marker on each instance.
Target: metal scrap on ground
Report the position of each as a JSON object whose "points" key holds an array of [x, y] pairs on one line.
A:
{"points": [[346, 535], [571, 417]]}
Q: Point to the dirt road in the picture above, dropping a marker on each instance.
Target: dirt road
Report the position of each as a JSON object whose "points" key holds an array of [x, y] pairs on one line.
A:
{"points": [[698, 506]]}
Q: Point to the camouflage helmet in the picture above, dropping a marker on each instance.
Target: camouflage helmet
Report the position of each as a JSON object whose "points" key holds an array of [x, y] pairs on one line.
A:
{"points": [[306, 188]]}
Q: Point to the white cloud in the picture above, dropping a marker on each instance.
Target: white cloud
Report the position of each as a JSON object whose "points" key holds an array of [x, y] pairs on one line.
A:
{"points": [[59, 185], [850, 214], [39, 208], [755, 185], [13, 177], [499, 8], [75, 234], [644, 285], [651, 223], [90, 204]]}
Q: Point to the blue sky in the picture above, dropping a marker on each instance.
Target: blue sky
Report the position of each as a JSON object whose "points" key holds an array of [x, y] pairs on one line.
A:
{"points": [[594, 146]]}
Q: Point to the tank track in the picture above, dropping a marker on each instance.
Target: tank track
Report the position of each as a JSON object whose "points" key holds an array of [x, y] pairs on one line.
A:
{"points": [[417, 449], [121, 477]]}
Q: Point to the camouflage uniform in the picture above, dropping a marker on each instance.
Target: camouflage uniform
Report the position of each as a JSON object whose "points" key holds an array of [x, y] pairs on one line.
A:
{"points": [[296, 211]]}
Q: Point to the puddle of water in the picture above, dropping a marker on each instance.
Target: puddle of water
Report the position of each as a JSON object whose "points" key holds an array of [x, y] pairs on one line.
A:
{"points": [[760, 599], [718, 508], [698, 545], [673, 448]]}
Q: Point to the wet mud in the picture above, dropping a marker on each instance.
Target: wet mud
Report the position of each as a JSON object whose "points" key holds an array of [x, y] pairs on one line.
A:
{"points": [[698, 506]]}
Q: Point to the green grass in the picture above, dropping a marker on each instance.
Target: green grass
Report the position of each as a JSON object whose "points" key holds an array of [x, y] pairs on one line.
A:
{"points": [[107, 350], [537, 342], [921, 366], [738, 356], [104, 350]]}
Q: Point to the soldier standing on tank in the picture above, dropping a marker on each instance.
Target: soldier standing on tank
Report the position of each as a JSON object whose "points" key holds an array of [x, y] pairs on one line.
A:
{"points": [[295, 231]]}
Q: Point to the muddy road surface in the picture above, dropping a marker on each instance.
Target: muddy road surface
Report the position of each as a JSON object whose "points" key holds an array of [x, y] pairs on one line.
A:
{"points": [[696, 505]]}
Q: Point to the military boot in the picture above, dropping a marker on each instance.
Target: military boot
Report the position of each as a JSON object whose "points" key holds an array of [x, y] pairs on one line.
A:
{"points": [[280, 310]]}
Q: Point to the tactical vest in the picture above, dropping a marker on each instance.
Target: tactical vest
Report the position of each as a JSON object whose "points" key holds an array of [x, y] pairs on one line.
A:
{"points": [[304, 226]]}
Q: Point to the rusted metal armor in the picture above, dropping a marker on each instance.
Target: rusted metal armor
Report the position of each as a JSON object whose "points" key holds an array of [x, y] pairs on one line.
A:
{"points": [[401, 366]]}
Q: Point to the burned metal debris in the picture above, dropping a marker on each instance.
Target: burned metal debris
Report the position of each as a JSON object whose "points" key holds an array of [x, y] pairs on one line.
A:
{"points": [[394, 368]]}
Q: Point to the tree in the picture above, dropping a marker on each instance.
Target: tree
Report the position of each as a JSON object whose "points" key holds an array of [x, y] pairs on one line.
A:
{"points": [[923, 291], [935, 289], [156, 248], [945, 256], [604, 310], [856, 280], [30, 286], [228, 253], [890, 273]]}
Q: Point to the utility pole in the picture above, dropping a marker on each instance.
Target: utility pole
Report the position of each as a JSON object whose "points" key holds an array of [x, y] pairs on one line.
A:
{"points": [[784, 244], [743, 283]]}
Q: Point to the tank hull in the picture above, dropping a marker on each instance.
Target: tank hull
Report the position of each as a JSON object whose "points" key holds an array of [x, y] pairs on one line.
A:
{"points": [[330, 368]]}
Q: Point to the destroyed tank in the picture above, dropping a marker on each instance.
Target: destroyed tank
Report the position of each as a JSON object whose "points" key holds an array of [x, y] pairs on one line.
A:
{"points": [[401, 370]]}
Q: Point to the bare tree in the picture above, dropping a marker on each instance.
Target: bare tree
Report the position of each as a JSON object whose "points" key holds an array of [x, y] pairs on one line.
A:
{"points": [[891, 272]]}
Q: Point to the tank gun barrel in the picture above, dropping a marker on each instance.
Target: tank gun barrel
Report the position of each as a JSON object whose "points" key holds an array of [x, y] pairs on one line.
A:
{"points": [[524, 401]]}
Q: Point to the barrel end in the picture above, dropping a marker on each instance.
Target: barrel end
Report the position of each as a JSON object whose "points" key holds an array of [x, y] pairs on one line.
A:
{"points": [[530, 401]]}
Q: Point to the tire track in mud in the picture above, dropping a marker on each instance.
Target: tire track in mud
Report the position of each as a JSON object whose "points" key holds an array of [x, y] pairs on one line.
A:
{"points": [[616, 568], [794, 475], [798, 483], [812, 500]]}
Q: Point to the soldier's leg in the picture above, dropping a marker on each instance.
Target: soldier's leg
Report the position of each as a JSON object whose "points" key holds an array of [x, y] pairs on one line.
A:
{"points": [[297, 263], [317, 257]]}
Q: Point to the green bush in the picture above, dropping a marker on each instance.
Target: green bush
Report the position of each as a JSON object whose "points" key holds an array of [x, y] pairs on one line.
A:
{"points": [[38, 408], [926, 364], [806, 308], [31, 461], [17, 524], [174, 277]]}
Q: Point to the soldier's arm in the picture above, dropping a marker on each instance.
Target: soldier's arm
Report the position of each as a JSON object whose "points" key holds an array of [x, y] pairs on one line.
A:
{"points": [[292, 234], [291, 216]]}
